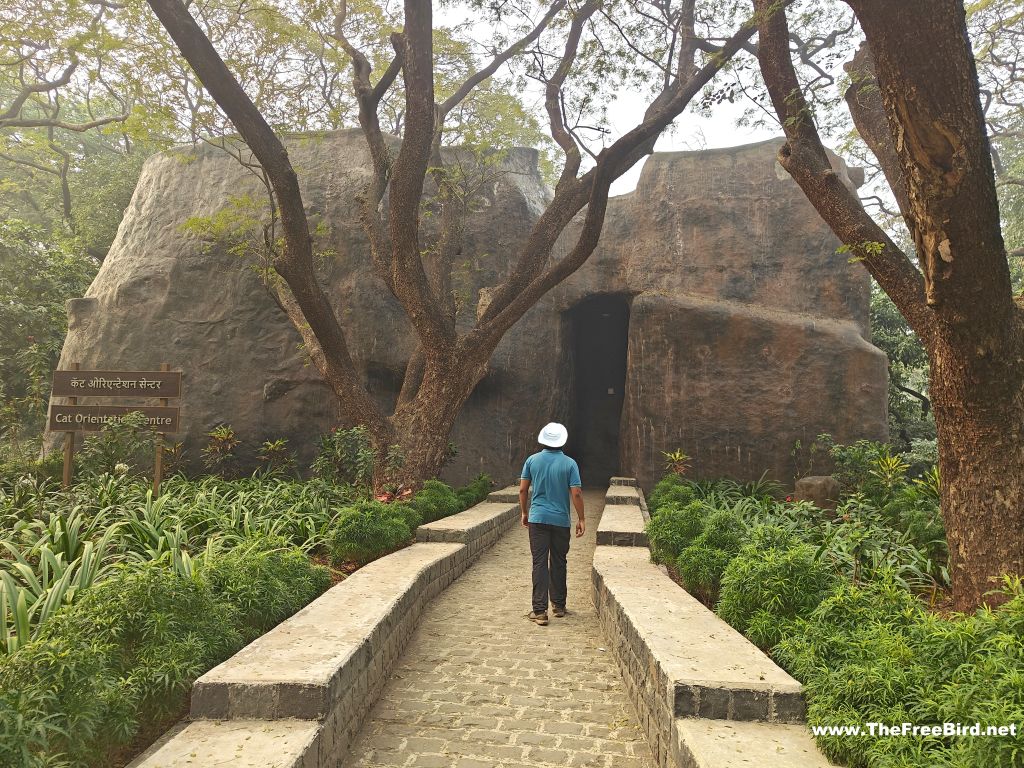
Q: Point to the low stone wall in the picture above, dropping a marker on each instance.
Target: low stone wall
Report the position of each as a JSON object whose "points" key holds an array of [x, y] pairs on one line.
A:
{"points": [[705, 696], [477, 528], [623, 524], [296, 697]]}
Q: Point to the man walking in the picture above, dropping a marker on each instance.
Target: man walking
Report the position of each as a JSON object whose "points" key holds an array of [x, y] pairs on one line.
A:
{"points": [[553, 478]]}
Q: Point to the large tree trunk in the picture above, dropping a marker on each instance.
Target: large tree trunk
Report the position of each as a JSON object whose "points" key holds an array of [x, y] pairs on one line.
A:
{"points": [[979, 415], [915, 98], [421, 427]]}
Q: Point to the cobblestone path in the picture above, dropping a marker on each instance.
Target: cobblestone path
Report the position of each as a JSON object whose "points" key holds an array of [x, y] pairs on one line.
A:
{"points": [[479, 686]]}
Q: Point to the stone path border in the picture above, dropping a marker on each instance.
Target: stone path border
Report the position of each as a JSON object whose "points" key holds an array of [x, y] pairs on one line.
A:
{"points": [[295, 697], [706, 696]]}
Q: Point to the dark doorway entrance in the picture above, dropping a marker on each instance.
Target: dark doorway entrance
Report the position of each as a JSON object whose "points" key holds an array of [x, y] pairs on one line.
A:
{"points": [[599, 336]]}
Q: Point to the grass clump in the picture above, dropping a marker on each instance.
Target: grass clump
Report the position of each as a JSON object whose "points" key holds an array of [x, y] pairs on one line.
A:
{"points": [[124, 655], [673, 528], [369, 530], [266, 580]]}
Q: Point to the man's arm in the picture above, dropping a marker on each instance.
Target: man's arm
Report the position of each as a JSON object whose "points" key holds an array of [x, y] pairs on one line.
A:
{"points": [[577, 502], [524, 500]]}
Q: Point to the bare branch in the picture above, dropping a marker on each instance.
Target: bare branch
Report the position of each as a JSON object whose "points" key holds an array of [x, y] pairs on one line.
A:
{"points": [[553, 96], [42, 87], [519, 292], [31, 122], [482, 74]]}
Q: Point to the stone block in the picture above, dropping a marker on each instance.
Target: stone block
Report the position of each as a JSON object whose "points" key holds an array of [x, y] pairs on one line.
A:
{"points": [[622, 525], [507, 495], [477, 527], [622, 494], [302, 667], [238, 743], [822, 491], [704, 743]]}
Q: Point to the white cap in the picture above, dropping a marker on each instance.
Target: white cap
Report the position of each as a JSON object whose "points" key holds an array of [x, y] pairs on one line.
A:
{"points": [[553, 435]]}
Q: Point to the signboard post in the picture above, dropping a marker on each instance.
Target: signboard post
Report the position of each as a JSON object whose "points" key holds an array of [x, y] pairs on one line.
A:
{"points": [[164, 384], [69, 444], [158, 459]]}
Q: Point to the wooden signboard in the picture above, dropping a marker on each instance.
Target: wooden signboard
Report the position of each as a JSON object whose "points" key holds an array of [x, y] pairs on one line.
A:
{"points": [[93, 418], [73, 417], [117, 384]]}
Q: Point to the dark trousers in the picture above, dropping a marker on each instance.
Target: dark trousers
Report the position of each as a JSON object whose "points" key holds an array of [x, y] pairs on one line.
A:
{"points": [[549, 545]]}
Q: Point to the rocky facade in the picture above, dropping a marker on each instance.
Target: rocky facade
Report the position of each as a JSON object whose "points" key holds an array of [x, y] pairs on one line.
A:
{"points": [[715, 317]]}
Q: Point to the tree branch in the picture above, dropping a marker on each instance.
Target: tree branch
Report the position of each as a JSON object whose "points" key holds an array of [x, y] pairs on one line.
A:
{"points": [[407, 178], [806, 160], [592, 190], [517, 47], [41, 87], [927, 78], [308, 307]]}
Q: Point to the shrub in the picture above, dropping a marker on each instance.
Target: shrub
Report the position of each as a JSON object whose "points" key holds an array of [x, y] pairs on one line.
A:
{"points": [[266, 579], [673, 529], [125, 653], [54, 701], [872, 653], [724, 529], [701, 567], [772, 537], [129, 443], [475, 492], [275, 458], [671, 489], [345, 456], [436, 500], [783, 583], [367, 531], [702, 563], [409, 514], [14, 466], [219, 451], [854, 462]]}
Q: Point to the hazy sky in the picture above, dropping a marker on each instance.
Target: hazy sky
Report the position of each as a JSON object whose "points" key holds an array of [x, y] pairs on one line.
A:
{"points": [[691, 131]]}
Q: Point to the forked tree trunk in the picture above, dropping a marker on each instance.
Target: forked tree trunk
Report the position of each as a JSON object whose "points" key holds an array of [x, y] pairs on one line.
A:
{"points": [[420, 430], [979, 416]]}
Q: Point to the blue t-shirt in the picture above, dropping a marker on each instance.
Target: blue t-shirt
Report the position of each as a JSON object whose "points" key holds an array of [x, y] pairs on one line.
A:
{"points": [[551, 473]]}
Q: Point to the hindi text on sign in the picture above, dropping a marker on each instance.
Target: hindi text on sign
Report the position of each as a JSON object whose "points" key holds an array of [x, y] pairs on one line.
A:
{"points": [[165, 384]]}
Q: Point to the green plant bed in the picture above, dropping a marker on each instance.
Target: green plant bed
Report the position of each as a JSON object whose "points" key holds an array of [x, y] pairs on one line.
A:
{"points": [[840, 599], [113, 602], [125, 653]]}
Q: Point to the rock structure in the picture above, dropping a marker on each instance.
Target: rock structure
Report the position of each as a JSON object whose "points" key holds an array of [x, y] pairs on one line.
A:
{"points": [[715, 317]]}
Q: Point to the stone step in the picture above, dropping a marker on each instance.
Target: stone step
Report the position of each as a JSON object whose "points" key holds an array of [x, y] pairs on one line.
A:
{"points": [[506, 495], [622, 494], [622, 481], [622, 525], [693, 664], [701, 743], [238, 743]]}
